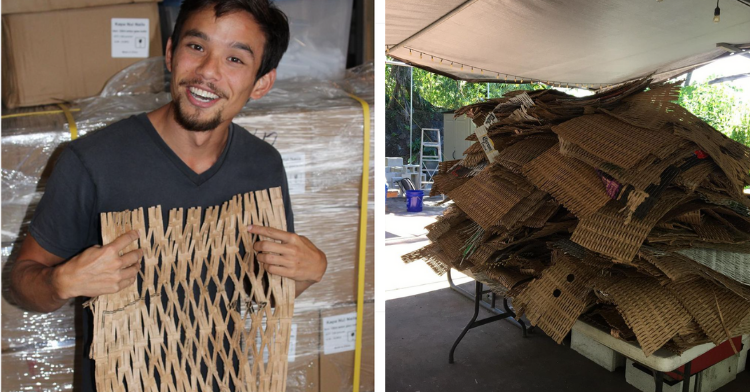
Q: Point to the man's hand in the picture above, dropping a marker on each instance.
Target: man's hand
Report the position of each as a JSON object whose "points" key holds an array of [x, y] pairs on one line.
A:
{"points": [[99, 270], [43, 282], [295, 257]]}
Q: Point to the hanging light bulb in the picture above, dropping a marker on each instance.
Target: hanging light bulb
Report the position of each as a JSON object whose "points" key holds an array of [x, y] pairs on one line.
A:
{"points": [[441, 61], [717, 12], [451, 64], [420, 55], [498, 76], [409, 52], [481, 71], [432, 58]]}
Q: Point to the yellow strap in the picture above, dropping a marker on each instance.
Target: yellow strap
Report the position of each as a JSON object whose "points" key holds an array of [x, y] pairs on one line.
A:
{"points": [[63, 109], [43, 113], [71, 122], [362, 242]]}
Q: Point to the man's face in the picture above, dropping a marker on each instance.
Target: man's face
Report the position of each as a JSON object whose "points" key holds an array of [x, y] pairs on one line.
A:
{"points": [[214, 68]]}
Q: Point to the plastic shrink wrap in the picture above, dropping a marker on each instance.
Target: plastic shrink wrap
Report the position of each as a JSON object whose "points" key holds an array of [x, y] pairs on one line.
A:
{"points": [[318, 129]]}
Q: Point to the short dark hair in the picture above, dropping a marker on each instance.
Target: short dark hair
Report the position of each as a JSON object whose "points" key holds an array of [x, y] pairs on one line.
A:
{"points": [[272, 21]]}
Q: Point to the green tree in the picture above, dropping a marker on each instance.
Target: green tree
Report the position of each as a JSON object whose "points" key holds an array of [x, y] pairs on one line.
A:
{"points": [[450, 94], [432, 95], [720, 106]]}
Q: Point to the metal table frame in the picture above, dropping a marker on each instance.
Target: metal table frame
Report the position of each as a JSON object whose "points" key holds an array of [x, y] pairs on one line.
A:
{"points": [[505, 313], [659, 376], [509, 314]]}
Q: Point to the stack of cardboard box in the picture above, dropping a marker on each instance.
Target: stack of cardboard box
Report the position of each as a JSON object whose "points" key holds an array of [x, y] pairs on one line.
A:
{"points": [[318, 129]]}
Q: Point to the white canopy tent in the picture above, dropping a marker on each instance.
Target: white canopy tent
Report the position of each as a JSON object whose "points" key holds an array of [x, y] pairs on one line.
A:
{"points": [[589, 43]]}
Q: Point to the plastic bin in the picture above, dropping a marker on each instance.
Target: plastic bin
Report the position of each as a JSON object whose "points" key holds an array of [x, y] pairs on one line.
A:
{"points": [[414, 201]]}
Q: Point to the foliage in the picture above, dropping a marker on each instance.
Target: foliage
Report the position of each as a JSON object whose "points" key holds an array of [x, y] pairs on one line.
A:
{"points": [[449, 94], [432, 96], [719, 106]]}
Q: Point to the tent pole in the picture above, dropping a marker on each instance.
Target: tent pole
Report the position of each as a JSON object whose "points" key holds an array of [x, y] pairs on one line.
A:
{"points": [[411, 108]]}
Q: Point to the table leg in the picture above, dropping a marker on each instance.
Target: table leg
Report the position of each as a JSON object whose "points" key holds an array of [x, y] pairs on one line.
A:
{"points": [[473, 323], [508, 310], [659, 380], [686, 377], [491, 306], [478, 294]]}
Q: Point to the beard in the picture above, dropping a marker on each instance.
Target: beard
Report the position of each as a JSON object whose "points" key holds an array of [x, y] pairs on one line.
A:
{"points": [[193, 122]]}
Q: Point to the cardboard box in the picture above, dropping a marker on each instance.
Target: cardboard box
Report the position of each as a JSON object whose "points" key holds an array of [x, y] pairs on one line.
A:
{"points": [[304, 371], [339, 240], [50, 365], [58, 56], [322, 151], [337, 368], [21, 6]]}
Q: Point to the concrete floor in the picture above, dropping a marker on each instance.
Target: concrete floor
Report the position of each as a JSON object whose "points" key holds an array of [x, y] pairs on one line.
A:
{"points": [[404, 232], [424, 317]]}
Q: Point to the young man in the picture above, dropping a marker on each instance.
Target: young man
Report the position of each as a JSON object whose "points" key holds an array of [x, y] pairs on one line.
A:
{"points": [[184, 154]]}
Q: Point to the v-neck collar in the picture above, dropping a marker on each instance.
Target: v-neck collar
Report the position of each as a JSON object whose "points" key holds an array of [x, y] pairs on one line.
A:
{"points": [[197, 179]]}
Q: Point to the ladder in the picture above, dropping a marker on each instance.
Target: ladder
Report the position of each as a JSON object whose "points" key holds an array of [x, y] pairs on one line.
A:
{"points": [[429, 164]]}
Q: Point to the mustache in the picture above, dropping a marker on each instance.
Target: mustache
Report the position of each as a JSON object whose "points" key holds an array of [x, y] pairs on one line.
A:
{"points": [[198, 82]]}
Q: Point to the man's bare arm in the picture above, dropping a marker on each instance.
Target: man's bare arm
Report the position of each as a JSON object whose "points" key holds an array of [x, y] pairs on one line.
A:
{"points": [[294, 257], [43, 282]]}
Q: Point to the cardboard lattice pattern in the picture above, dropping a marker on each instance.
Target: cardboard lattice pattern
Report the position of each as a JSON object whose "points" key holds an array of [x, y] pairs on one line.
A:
{"points": [[204, 314]]}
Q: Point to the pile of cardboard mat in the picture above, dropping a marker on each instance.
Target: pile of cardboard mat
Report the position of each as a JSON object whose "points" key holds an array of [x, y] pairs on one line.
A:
{"points": [[622, 208]]}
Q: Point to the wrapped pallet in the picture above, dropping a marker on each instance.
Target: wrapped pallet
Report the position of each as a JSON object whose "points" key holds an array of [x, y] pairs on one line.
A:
{"points": [[318, 129]]}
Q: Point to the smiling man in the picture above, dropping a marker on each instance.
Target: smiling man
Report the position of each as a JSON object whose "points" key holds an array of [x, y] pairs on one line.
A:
{"points": [[184, 154]]}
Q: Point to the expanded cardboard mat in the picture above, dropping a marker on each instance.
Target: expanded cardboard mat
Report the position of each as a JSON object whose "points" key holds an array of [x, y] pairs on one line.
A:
{"points": [[518, 154], [654, 108], [653, 313], [490, 195], [613, 141], [525, 209], [649, 171], [204, 314], [572, 183], [556, 300], [717, 310], [607, 233]]}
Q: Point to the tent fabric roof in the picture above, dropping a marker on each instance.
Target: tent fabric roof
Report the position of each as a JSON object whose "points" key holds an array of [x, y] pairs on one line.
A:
{"points": [[592, 43]]}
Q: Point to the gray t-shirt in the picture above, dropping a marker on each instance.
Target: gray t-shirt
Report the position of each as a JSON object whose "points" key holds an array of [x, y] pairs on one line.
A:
{"points": [[127, 165]]}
